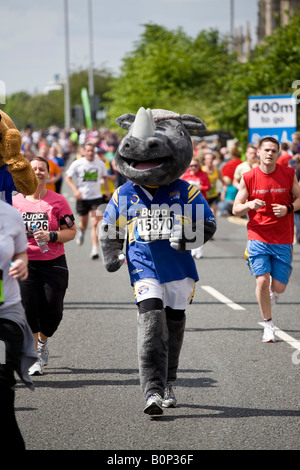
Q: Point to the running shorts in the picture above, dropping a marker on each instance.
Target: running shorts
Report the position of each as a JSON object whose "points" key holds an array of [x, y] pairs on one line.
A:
{"points": [[84, 206], [175, 294], [270, 258]]}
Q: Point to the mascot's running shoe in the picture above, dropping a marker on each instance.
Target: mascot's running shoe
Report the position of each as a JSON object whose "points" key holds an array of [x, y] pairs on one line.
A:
{"points": [[169, 400], [154, 405]]}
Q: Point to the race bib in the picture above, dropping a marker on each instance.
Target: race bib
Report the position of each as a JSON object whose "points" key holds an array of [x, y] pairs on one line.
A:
{"points": [[38, 218], [155, 224]]}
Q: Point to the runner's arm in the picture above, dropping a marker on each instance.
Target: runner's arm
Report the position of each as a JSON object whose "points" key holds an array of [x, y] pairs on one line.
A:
{"points": [[241, 205]]}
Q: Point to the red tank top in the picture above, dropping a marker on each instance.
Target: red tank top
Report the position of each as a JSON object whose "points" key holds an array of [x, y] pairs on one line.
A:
{"points": [[273, 188]]}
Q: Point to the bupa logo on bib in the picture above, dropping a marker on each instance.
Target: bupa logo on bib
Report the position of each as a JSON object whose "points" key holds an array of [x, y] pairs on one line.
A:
{"points": [[38, 218]]}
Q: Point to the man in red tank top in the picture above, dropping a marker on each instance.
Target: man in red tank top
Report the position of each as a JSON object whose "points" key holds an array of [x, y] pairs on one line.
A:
{"points": [[269, 194]]}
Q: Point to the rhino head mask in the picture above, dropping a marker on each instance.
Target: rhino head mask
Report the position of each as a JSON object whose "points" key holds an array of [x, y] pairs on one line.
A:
{"points": [[157, 148]]}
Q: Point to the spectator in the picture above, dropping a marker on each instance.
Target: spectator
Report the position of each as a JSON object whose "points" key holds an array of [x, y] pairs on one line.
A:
{"points": [[284, 157], [111, 174], [229, 167], [297, 213], [214, 176], [65, 145], [251, 160], [194, 175], [110, 152], [227, 199], [54, 170], [296, 142], [60, 162]]}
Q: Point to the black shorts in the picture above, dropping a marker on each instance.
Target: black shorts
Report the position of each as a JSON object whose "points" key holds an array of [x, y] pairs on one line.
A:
{"points": [[43, 294], [84, 206]]}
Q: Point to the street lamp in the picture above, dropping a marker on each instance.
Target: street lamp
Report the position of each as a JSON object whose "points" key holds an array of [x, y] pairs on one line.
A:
{"points": [[67, 71], [231, 24], [91, 61]]}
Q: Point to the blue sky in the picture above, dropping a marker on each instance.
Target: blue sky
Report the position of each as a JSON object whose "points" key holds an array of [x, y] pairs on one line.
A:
{"points": [[32, 48]]}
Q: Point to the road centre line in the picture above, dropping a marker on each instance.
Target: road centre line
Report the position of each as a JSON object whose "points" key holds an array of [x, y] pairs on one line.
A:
{"points": [[222, 298]]}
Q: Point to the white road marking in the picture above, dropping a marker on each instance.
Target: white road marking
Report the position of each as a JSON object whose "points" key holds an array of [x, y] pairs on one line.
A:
{"points": [[285, 337], [222, 298], [281, 334]]}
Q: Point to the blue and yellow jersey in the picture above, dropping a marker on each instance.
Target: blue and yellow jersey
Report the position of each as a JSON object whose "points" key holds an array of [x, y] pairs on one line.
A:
{"points": [[149, 221]]}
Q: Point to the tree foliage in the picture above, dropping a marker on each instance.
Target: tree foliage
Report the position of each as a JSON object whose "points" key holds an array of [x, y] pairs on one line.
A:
{"points": [[44, 110], [168, 69]]}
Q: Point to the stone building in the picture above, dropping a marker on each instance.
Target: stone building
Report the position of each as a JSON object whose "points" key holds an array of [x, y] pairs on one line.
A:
{"points": [[272, 13]]}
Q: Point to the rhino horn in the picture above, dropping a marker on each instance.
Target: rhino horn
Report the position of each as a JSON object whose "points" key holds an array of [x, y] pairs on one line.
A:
{"points": [[143, 125]]}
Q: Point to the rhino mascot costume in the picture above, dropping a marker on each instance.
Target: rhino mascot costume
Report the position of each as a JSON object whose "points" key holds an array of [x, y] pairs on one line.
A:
{"points": [[159, 218]]}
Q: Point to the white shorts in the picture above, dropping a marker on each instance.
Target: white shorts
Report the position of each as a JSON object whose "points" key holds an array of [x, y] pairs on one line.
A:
{"points": [[175, 294]]}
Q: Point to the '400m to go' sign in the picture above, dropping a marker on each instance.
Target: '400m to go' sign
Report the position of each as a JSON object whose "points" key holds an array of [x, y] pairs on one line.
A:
{"points": [[274, 115]]}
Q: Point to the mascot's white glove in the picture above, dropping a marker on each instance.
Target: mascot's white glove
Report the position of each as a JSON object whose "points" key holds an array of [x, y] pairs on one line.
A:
{"points": [[176, 239], [111, 240]]}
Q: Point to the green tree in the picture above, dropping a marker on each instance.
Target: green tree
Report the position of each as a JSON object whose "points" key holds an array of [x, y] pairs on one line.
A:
{"points": [[44, 110], [15, 107], [80, 79], [168, 69], [39, 111]]}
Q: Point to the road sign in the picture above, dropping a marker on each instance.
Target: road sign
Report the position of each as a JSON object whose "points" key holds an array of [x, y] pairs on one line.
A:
{"points": [[272, 115]]}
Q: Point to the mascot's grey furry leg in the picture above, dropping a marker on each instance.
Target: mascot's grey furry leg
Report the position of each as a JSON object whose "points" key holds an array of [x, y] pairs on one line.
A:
{"points": [[176, 334], [153, 353], [160, 341]]}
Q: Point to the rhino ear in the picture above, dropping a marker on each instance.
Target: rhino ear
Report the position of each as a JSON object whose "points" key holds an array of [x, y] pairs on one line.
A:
{"points": [[192, 122], [125, 120]]}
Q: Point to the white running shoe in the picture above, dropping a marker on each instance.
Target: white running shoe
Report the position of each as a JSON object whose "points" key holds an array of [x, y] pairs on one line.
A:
{"points": [[269, 334], [36, 368], [274, 297], [169, 400], [154, 405], [94, 253], [80, 238], [198, 252]]}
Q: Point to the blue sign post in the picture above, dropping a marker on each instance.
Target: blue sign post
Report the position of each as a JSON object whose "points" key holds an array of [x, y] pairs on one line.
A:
{"points": [[272, 115]]}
